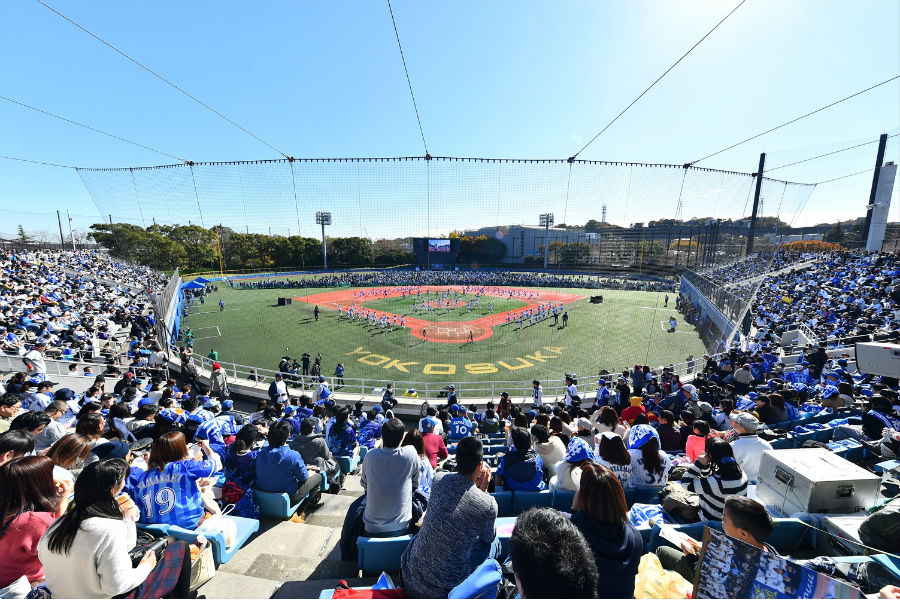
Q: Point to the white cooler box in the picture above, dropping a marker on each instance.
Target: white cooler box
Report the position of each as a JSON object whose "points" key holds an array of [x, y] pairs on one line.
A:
{"points": [[814, 480], [844, 538]]}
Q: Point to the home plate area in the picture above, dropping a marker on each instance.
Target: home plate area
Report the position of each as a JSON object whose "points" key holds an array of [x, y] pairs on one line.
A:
{"points": [[454, 332]]}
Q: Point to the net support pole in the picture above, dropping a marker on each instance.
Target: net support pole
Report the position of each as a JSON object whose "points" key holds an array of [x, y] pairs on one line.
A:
{"points": [[324, 250], [62, 238], [882, 143], [759, 178]]}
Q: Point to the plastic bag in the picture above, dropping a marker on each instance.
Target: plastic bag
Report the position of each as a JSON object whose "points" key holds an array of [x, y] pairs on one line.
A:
{"points": [[653, 581]]}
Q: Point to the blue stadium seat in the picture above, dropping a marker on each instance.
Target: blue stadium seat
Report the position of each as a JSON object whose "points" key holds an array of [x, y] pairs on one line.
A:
{"points": [[784, 443], [562, 500], [375, 555], [221, 552], [275, 505], [348, 463], [482, 583], [787, 534], [504, 503], [522, 501], [642, 495]]}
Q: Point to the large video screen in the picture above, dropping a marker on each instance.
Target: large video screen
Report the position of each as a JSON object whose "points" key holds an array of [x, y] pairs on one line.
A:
{"points": [[438, 245]]}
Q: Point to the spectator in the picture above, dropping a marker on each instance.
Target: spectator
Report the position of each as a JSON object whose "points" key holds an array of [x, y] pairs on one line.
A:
{"points": [[521, 467], [29, 502], [69, 454], [490, 423], [239, 462], [569, 468], [341, 437], [15, 444], [369, 433], [669, 436], [743, 519], [723, 418], [636, 408], [696, 443], [10, 405], [458, 532], [389, 475], [607, 419], [86, 552], [601, 514], [460, 426], [169, 492], [435, 449], [585, 430], [650, 466], [714, 476], [280, 469], [54, 429], [426, 471], [748, 447], [551, 558], [116, 422], [686, 425], [432, 413], [549, 448], [614, 456], [314, 451], [91, 424], [32, 422]]}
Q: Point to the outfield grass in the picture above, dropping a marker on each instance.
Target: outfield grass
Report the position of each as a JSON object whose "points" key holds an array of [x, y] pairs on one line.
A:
{"points": [[627, 328]]}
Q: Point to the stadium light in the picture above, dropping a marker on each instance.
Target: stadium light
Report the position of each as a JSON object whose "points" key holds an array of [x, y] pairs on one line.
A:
{"points": [[546, 221], [323, 219]]}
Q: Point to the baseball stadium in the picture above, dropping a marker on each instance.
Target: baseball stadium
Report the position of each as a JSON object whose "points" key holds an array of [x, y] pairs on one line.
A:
{"points": [[392, 299]]}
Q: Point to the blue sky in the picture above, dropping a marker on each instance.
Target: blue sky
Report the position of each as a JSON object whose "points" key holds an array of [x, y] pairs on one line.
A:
{"points": [[498, 79]]}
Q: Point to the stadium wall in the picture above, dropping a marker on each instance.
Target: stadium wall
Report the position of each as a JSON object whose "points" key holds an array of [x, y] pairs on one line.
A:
{"points": [[716, 325]]}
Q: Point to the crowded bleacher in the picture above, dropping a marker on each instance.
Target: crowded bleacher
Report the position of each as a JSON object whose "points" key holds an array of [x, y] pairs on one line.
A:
{"points": [[151, 480]]}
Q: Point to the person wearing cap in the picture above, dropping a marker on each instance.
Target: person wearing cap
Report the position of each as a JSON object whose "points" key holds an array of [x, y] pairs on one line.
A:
{"points": [[278, 389], [451, 396], [678, 400], [584, 429], [568, 469], [438, 427], [748, 447], [602, 396], [571, 393], [635, 408], [218, 382], [369, 433], [41, 398], [323, 392], [650, 466], [229, 421], [460, 426], [34, 362], [706, 415], [830, 397]]}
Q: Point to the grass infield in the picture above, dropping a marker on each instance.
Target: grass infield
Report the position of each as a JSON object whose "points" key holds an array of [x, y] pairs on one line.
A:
{"points": [[629, 327]]}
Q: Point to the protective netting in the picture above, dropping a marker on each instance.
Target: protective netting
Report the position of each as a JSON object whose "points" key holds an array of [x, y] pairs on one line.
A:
{"points": [[630, 219]]}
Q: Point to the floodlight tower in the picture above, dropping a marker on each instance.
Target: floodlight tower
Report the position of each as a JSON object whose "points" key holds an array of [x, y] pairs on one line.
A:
{"points": [[546, 221], [323, 219]]}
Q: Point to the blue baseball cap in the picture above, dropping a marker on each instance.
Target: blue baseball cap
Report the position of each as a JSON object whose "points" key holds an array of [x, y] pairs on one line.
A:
{"points": [[428, 424], [146, 400], [456, 408], [799, 387], [227, 404], [640, 435], [828, 391], [289, 409], [579, 450]]}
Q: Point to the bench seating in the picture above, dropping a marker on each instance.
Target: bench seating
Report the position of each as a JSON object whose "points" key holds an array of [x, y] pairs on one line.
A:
{"points": [[221, 553]]}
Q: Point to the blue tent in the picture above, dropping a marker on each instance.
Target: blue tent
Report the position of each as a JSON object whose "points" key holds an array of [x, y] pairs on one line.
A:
{"points": [[193, 285], [202, 280]]}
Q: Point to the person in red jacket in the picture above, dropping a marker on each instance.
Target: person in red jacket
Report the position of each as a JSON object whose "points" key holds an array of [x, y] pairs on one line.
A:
{"points": [[634, 410], [434, 444]]}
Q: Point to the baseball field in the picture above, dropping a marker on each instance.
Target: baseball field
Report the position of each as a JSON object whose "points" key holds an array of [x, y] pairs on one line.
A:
{"points": [[444, 333]]}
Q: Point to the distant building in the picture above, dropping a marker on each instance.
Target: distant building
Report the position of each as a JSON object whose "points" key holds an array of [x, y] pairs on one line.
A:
{"points": [[524, 241]]}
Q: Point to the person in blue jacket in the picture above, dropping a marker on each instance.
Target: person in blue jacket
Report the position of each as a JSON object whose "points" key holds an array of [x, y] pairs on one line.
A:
{"points": [[522, 467]]}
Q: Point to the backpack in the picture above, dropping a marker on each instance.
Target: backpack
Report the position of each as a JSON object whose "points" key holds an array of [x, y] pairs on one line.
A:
{"points": [[678, 501], [881, 529]]}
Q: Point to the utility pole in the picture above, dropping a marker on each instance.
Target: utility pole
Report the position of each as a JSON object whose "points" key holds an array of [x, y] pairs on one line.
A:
{"points": [[110, 219], [759, 178], [882, 142], [323, 219], [71, 233], [546, 220], [62, 239]]}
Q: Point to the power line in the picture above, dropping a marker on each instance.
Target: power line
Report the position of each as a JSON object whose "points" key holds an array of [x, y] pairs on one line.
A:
{"points": [[158, 76], [408, 81], [38, 162], [826, 154], [795, 120], [658, 79], [869, 170], [94, 129]]}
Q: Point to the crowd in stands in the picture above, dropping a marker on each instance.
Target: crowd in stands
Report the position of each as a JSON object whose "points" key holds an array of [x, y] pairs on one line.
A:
{"points": [[70, 306], [402, 277], [79, 472]]}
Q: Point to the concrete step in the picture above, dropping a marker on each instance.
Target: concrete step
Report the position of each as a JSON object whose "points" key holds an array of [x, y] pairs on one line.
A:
{"points": [[233, 585]]}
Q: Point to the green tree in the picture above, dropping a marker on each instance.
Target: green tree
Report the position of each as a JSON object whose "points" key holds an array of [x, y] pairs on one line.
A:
{"points": [[835, 234], [23, 235]]}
